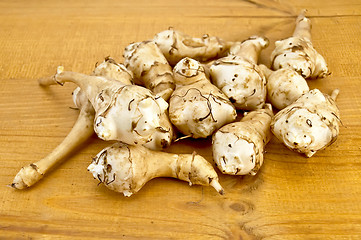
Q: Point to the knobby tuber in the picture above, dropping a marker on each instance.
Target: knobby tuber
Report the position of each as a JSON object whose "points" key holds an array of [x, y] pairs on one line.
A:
{"points": [[128, 113], [81, 131], [138, 118], [197, 108], [176, 45], [109, 68], [309, 124], [239, 76], [150, 68], [238, 147], [284, 86], [124, 168], [298, 53]]}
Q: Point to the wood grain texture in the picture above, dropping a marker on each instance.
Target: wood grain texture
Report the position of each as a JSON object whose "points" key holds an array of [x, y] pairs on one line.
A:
{"points": [[291, 198]]}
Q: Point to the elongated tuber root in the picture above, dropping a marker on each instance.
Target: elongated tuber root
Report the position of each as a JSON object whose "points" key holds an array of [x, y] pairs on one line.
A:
{"points": [[239, 76], [127, 113], [197, 107], [309, 124], [238, 147], [176, 45], [150, 68], [81, 131], [284, 86], [298, 53], [124, 168]]}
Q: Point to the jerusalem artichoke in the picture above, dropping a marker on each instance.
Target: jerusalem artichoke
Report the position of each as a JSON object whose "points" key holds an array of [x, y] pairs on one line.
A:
{"points": [[127, 113], [284, 86], [298, 53], [239, 76], [109, 68], [81, 131], [197, 107], [176, 45], [150, 68], [238, 147], [309, 124], [124, 168]]}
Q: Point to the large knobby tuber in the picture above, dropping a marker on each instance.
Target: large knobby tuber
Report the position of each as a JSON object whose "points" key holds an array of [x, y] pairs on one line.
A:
{"points": [[197, 108], [309, 124]]}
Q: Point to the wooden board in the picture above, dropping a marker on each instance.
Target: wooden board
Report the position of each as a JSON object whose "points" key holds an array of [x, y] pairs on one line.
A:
{"points": [[292, 197]]}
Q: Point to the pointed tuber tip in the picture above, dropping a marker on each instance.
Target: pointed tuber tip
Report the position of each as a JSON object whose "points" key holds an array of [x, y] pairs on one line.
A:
{"points": [[18, 184], [335, 93], [46, 81], [216, 185], [302, 15]]}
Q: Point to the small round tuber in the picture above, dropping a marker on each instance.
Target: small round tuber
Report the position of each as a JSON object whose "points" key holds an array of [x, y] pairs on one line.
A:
{"points": [[238, 147], [309, 124], [239, 76], [284, 86]]}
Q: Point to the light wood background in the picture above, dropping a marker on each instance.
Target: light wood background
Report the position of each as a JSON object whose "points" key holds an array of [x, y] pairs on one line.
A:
{"points": [[292, 197]]}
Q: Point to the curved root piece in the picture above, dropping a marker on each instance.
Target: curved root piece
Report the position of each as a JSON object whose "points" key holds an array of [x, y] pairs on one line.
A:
{"points": [[81, 131]]}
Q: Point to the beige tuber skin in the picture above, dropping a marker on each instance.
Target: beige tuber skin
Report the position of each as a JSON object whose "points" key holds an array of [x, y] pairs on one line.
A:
{"points": [[126, 169], [109, 68], [284, 86], [197, 108], [309, 124], [298, 53], [151, 69], [239, 76], [176, 45], [127, 113], [81, 131], [238, 147]]}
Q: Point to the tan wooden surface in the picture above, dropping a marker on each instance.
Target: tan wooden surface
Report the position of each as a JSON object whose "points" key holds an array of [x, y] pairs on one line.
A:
{"points": [[291, 198]]}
